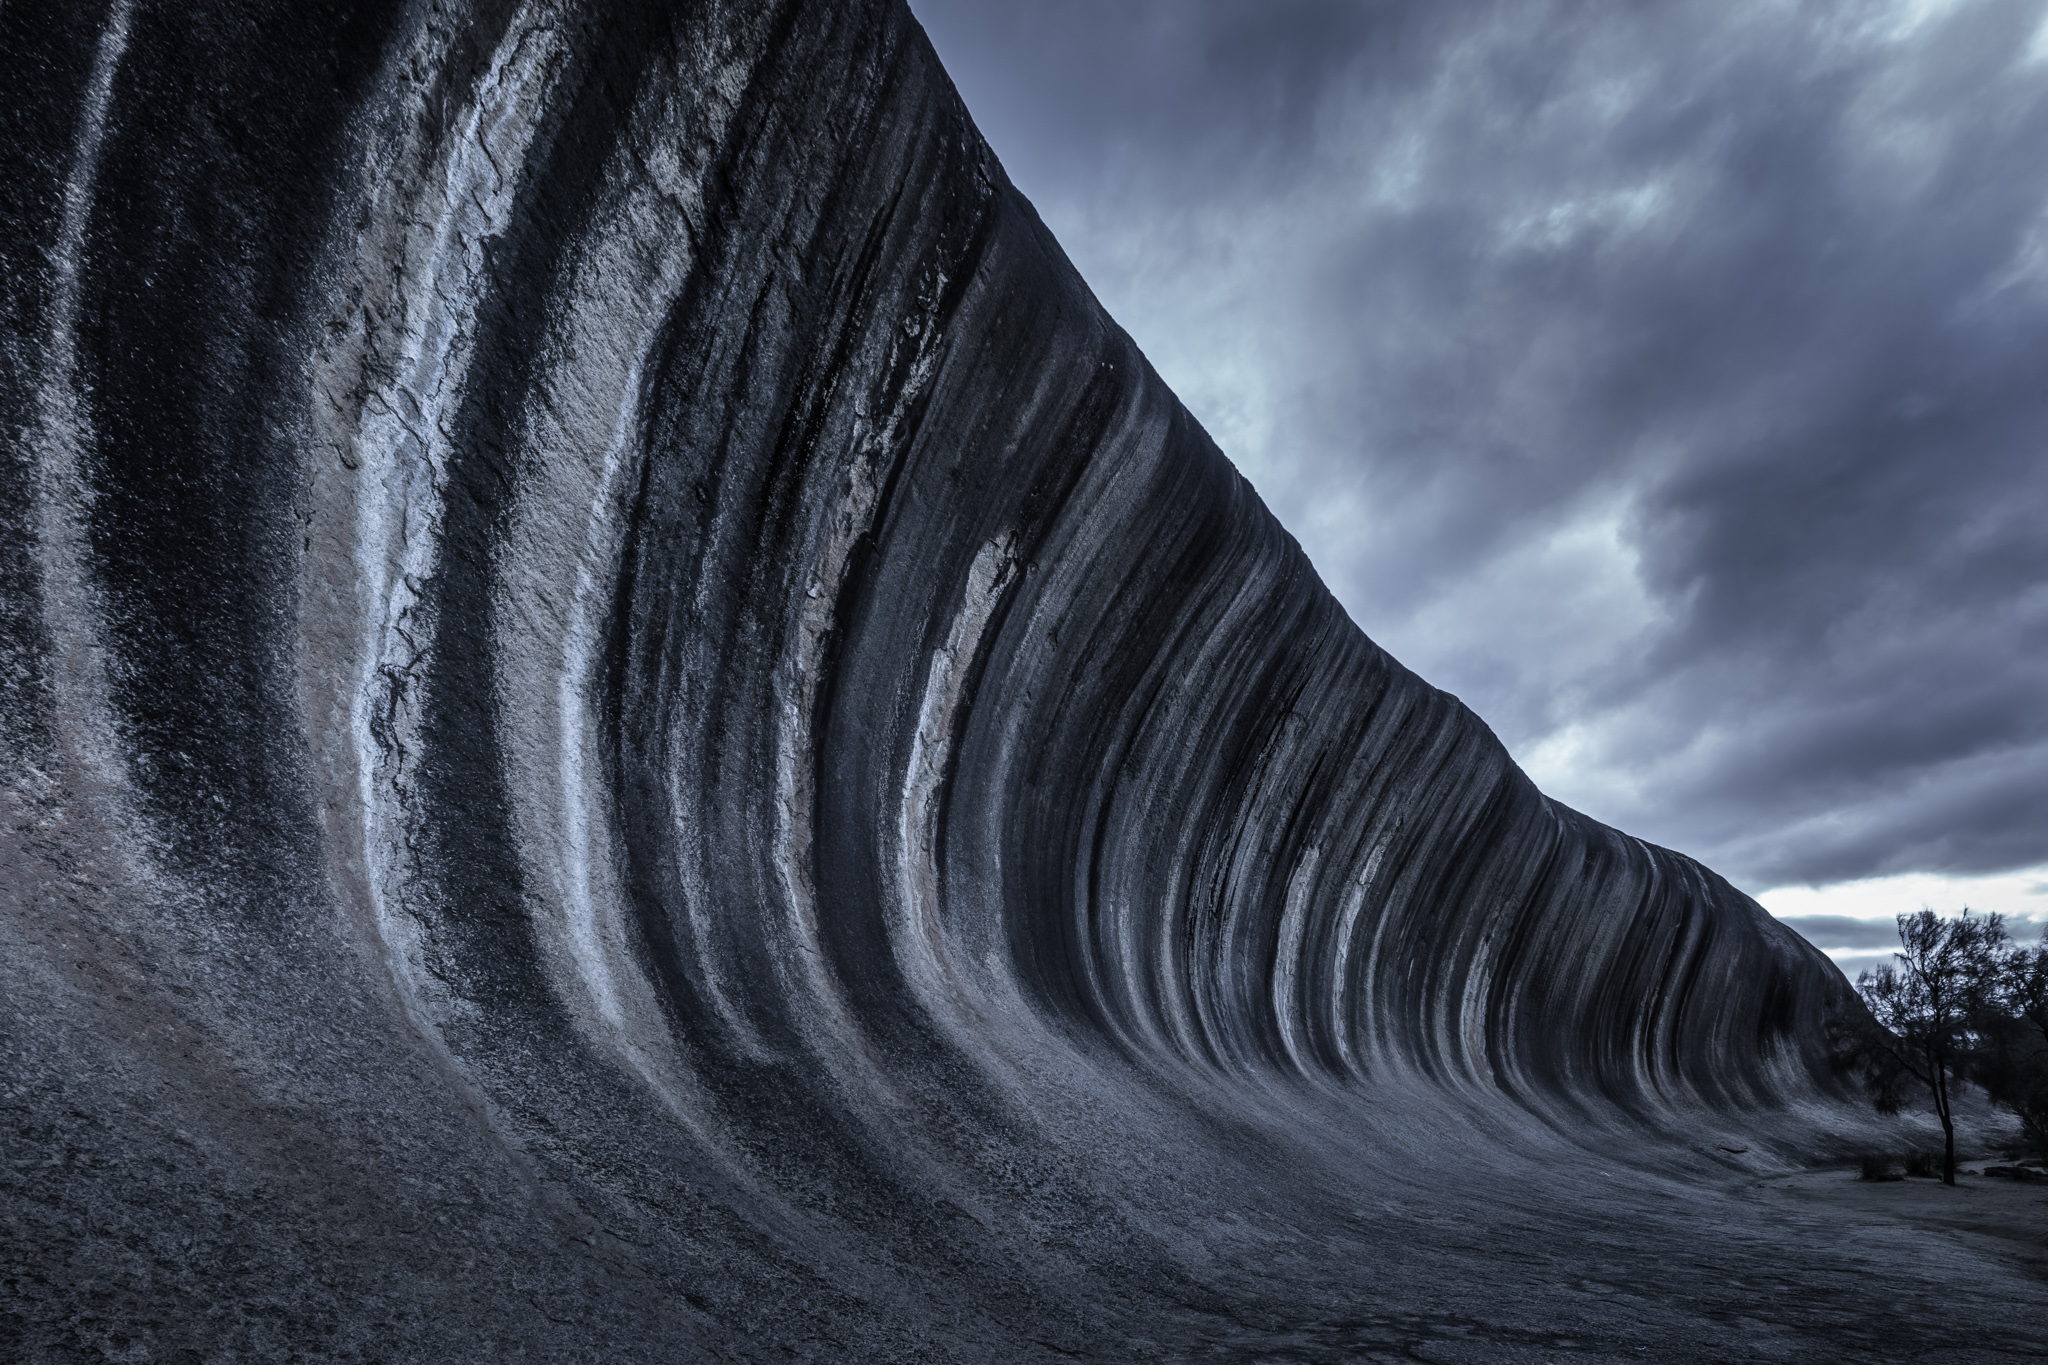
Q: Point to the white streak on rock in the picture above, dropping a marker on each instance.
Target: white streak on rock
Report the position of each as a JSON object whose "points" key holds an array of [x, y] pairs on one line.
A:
{"points": [[917, 936], [423, 333], [70, 599], [1342, 1026], [851, 516], [558, 568], [1287, 961]]}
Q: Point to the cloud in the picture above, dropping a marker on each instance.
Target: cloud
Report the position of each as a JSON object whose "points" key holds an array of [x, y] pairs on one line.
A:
{"points": [[1859, 945], [1853, 965], [1830, 932], [1662, 380]]}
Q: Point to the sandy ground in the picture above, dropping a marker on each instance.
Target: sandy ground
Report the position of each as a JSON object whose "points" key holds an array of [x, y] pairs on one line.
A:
{"points": [[2006, 1219]]}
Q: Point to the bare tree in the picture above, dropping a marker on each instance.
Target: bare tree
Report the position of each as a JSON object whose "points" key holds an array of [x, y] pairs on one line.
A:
{"points": [[1926, 1010]]}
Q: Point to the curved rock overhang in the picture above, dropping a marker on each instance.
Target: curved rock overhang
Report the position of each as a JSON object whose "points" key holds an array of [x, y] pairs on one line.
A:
{"points": [[632, 721]]}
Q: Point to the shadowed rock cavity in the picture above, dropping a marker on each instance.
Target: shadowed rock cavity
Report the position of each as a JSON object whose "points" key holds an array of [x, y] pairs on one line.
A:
{"points": [[636, 732]]}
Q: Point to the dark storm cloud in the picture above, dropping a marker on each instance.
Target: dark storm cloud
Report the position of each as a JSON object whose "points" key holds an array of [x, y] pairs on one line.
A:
{"points": [[1670, 382]]}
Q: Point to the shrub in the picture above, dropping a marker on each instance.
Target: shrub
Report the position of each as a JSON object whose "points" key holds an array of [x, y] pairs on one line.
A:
{"points": [[2012, 1059], [1919, 1026], [1877, 1166]]}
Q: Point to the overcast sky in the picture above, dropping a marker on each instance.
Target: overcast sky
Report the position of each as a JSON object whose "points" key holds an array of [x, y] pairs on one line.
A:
{"points": [[1669, 381]]}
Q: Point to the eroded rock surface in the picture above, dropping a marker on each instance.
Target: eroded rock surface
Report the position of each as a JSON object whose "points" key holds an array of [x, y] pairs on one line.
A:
{"points": [[636, 732]]}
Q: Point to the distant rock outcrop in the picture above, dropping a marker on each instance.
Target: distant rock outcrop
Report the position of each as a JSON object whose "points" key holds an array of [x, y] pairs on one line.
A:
{"points": [[634, 731]]}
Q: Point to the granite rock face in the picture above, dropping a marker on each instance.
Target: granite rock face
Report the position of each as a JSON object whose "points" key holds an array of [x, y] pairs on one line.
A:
{"points": [[636, 732]]}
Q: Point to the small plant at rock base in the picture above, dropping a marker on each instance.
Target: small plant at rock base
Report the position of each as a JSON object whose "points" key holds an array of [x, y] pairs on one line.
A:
{"points": [[1877, 1167], [1920, 1165]]}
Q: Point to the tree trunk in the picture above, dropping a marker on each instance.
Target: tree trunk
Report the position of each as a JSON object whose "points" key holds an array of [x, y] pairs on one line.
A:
{"points": [[1948, 1128]]}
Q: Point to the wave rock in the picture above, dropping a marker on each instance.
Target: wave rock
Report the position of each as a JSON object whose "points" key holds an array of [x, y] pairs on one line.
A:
{"points": [[636, 732]]}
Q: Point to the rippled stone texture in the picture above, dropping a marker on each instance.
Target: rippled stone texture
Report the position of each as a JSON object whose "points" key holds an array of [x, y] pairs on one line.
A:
{"points": [[635, 731]]}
